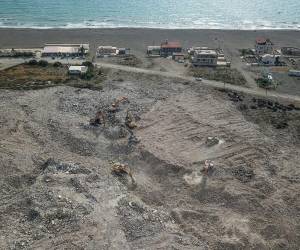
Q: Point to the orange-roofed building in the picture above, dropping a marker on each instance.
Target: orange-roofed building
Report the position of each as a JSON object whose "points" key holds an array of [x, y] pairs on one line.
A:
{"points": [[168, 48], [263, 46]]}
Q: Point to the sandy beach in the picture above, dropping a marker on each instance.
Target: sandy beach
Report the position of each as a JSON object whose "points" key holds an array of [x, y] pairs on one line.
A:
{"points": [[138, 39]]}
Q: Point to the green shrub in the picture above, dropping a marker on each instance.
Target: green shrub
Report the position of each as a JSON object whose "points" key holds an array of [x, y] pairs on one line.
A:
{"points": [[43, 63], [88, 64], [264, 83], [245, 52], [32, 62], [57, 64], [88, 76]]}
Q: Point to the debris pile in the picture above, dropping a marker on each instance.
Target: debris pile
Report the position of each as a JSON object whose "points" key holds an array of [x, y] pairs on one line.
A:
{"points": [[234, 97], [243, 173]]}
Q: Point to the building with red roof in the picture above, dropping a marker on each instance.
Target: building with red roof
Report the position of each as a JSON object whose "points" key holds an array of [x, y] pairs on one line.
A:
{"points": [[168, 48], [263, 46]]}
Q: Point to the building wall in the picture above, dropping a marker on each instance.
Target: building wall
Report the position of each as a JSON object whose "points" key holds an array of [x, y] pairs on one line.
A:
{"points": [[155, 52], [170, 51], [58, 54], [205, 60], [263, 48]]}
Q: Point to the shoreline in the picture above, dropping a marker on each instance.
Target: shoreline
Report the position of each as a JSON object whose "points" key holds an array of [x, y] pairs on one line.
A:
{"points": [[148, 28], [142, 28]]}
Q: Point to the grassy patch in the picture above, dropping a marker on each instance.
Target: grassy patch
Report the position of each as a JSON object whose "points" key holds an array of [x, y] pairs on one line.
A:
{"points": [[227, 75], [246, 52], [37, 75], [32, 76], [127, 60]]}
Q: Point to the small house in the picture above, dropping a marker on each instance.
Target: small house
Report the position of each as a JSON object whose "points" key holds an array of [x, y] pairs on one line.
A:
{"points": [[78, 70], [107, 51], [153, 51], [123, 51], [178, 57], [168, 48]]}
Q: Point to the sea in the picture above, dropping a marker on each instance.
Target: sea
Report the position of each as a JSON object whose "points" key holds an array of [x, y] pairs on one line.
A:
{"points": [[165, 14]]}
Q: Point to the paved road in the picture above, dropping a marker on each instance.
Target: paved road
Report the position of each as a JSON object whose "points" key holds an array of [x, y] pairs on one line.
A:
{"points": [[209, 83]]}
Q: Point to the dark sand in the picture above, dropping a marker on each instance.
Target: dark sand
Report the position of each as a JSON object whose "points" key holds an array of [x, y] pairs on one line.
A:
{"points": [[138, 39]]}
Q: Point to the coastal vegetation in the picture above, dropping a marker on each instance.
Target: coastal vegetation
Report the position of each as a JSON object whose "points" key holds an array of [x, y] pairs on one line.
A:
{"points": [[227, 75], [246, 52], [41, 74]]}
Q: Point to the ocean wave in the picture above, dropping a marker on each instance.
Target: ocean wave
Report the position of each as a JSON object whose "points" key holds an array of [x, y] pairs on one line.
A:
{"points": [[196, 24]]}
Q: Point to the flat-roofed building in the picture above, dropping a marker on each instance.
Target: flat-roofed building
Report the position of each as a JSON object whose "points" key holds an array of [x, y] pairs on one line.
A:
{"points": [[168, 48], [107, 51], [78, 70], [270, 59], [123, 51], [205, 57], [293, 72], [153, 51], [191, 51], [51, 50]]}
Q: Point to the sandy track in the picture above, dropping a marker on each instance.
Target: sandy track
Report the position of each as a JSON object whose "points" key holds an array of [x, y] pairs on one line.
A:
{"points": [[208, 83]]}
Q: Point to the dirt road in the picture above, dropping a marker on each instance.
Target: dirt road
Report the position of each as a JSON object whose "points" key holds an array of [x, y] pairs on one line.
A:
{"points": [[204, 82], [209, 83]]}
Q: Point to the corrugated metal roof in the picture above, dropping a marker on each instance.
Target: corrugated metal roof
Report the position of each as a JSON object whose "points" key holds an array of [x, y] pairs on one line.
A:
{"points": [[60, 49]]}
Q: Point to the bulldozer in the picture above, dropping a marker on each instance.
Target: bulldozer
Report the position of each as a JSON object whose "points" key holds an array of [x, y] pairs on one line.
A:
{"points": [[99, 119], [121, 169]]}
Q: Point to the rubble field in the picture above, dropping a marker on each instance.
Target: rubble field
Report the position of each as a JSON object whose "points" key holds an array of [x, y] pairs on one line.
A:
{"points": [[123, 167]]}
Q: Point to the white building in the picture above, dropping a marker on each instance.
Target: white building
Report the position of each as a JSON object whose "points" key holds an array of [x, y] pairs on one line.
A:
{"points": [[57, 50], [293, 72], [205, 57], [270, 59], [77, 70], [191, 51], [263, 46]]}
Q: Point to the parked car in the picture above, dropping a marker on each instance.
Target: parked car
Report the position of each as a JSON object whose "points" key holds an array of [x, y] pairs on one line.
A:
{"points": [[199, 79]]}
